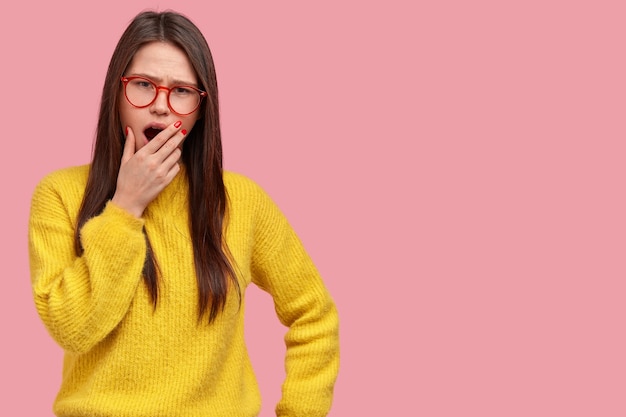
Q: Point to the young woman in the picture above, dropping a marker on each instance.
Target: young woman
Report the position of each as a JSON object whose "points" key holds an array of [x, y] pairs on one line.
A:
{"points": [[140, 260]]}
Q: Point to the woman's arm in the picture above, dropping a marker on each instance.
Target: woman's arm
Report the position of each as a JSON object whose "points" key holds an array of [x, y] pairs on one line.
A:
{"points": [[281, 267], [82, 299]]}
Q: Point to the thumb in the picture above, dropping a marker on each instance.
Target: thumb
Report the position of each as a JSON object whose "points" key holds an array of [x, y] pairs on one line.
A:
{"points": [[129, 145]]}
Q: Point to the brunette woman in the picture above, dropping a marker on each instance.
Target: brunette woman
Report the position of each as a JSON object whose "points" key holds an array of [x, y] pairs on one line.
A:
{"points": [[140, 260]]}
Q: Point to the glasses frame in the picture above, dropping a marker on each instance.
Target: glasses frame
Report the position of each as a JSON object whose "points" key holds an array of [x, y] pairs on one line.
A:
{"points": [[126, 80]]}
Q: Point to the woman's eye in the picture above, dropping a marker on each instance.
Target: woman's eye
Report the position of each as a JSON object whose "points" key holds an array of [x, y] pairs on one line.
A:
{"points": [[181, 91], [142, 84]]}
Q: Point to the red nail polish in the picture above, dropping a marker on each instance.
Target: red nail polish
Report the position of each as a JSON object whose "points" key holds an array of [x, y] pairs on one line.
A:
{"points": [[184, 131], [178, 123]]}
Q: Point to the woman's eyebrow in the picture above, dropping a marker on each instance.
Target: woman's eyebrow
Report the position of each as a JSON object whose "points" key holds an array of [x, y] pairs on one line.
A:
{"points": [[160, 80]]}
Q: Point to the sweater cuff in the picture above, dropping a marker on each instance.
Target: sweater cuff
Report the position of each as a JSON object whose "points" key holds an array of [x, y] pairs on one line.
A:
{"points": [[128, 219]]}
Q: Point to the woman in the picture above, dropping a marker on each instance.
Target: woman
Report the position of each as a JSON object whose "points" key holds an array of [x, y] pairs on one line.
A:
{"points": [[140, 260]]}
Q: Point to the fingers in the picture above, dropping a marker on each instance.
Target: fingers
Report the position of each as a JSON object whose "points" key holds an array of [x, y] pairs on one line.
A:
{"points": [[174, 167], [172, 159], [129, 145], [167, 140]]}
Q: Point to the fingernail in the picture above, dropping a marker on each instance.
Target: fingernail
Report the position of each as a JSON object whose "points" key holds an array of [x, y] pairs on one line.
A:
{"points": [[184, 131], [178, 123], [126, 130]]}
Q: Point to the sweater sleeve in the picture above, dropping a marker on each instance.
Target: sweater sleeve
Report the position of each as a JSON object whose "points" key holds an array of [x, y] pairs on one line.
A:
{"points": [[81, 299], [281, 267]]}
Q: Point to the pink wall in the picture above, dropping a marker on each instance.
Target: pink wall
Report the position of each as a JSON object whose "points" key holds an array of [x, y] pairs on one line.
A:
{"points": [[455, 168]]}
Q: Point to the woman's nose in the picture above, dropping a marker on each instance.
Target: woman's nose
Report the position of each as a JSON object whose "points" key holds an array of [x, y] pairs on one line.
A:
{"points": [[160, 105]]}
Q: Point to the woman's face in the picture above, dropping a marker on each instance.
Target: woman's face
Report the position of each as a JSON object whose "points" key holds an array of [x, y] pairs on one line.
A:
{"points": [[165, 65]]}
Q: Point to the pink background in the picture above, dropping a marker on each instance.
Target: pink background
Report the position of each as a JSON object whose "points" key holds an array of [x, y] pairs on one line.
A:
{"points": [[455, 169]]}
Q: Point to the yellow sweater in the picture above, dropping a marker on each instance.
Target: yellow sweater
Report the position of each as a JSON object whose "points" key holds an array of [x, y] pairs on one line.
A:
{"points": [[124, 359]]}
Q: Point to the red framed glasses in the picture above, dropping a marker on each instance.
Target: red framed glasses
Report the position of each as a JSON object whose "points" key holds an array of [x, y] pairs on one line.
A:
{"points": [[181, 99]]}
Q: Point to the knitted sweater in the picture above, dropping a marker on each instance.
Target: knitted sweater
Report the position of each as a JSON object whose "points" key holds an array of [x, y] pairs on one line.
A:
{"points": [[123, 358]]}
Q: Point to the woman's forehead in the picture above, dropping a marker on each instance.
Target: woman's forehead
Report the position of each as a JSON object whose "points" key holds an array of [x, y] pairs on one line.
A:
{"points": [[162, 62]]}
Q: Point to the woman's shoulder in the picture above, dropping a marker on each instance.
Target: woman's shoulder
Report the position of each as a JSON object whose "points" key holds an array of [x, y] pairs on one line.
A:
{"points": [[72, 172], [238, 184], [74, 177], [246, 194]]}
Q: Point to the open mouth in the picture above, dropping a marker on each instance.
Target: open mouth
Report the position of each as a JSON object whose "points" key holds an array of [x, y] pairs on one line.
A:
{"points": [[151, 132]]}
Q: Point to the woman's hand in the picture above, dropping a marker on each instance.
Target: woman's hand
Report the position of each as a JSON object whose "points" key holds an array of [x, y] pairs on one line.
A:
{"points": [[144, 173]]}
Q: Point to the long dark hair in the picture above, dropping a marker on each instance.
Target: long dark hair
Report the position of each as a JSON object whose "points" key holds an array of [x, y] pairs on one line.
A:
{"points": [[202, 155]]}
